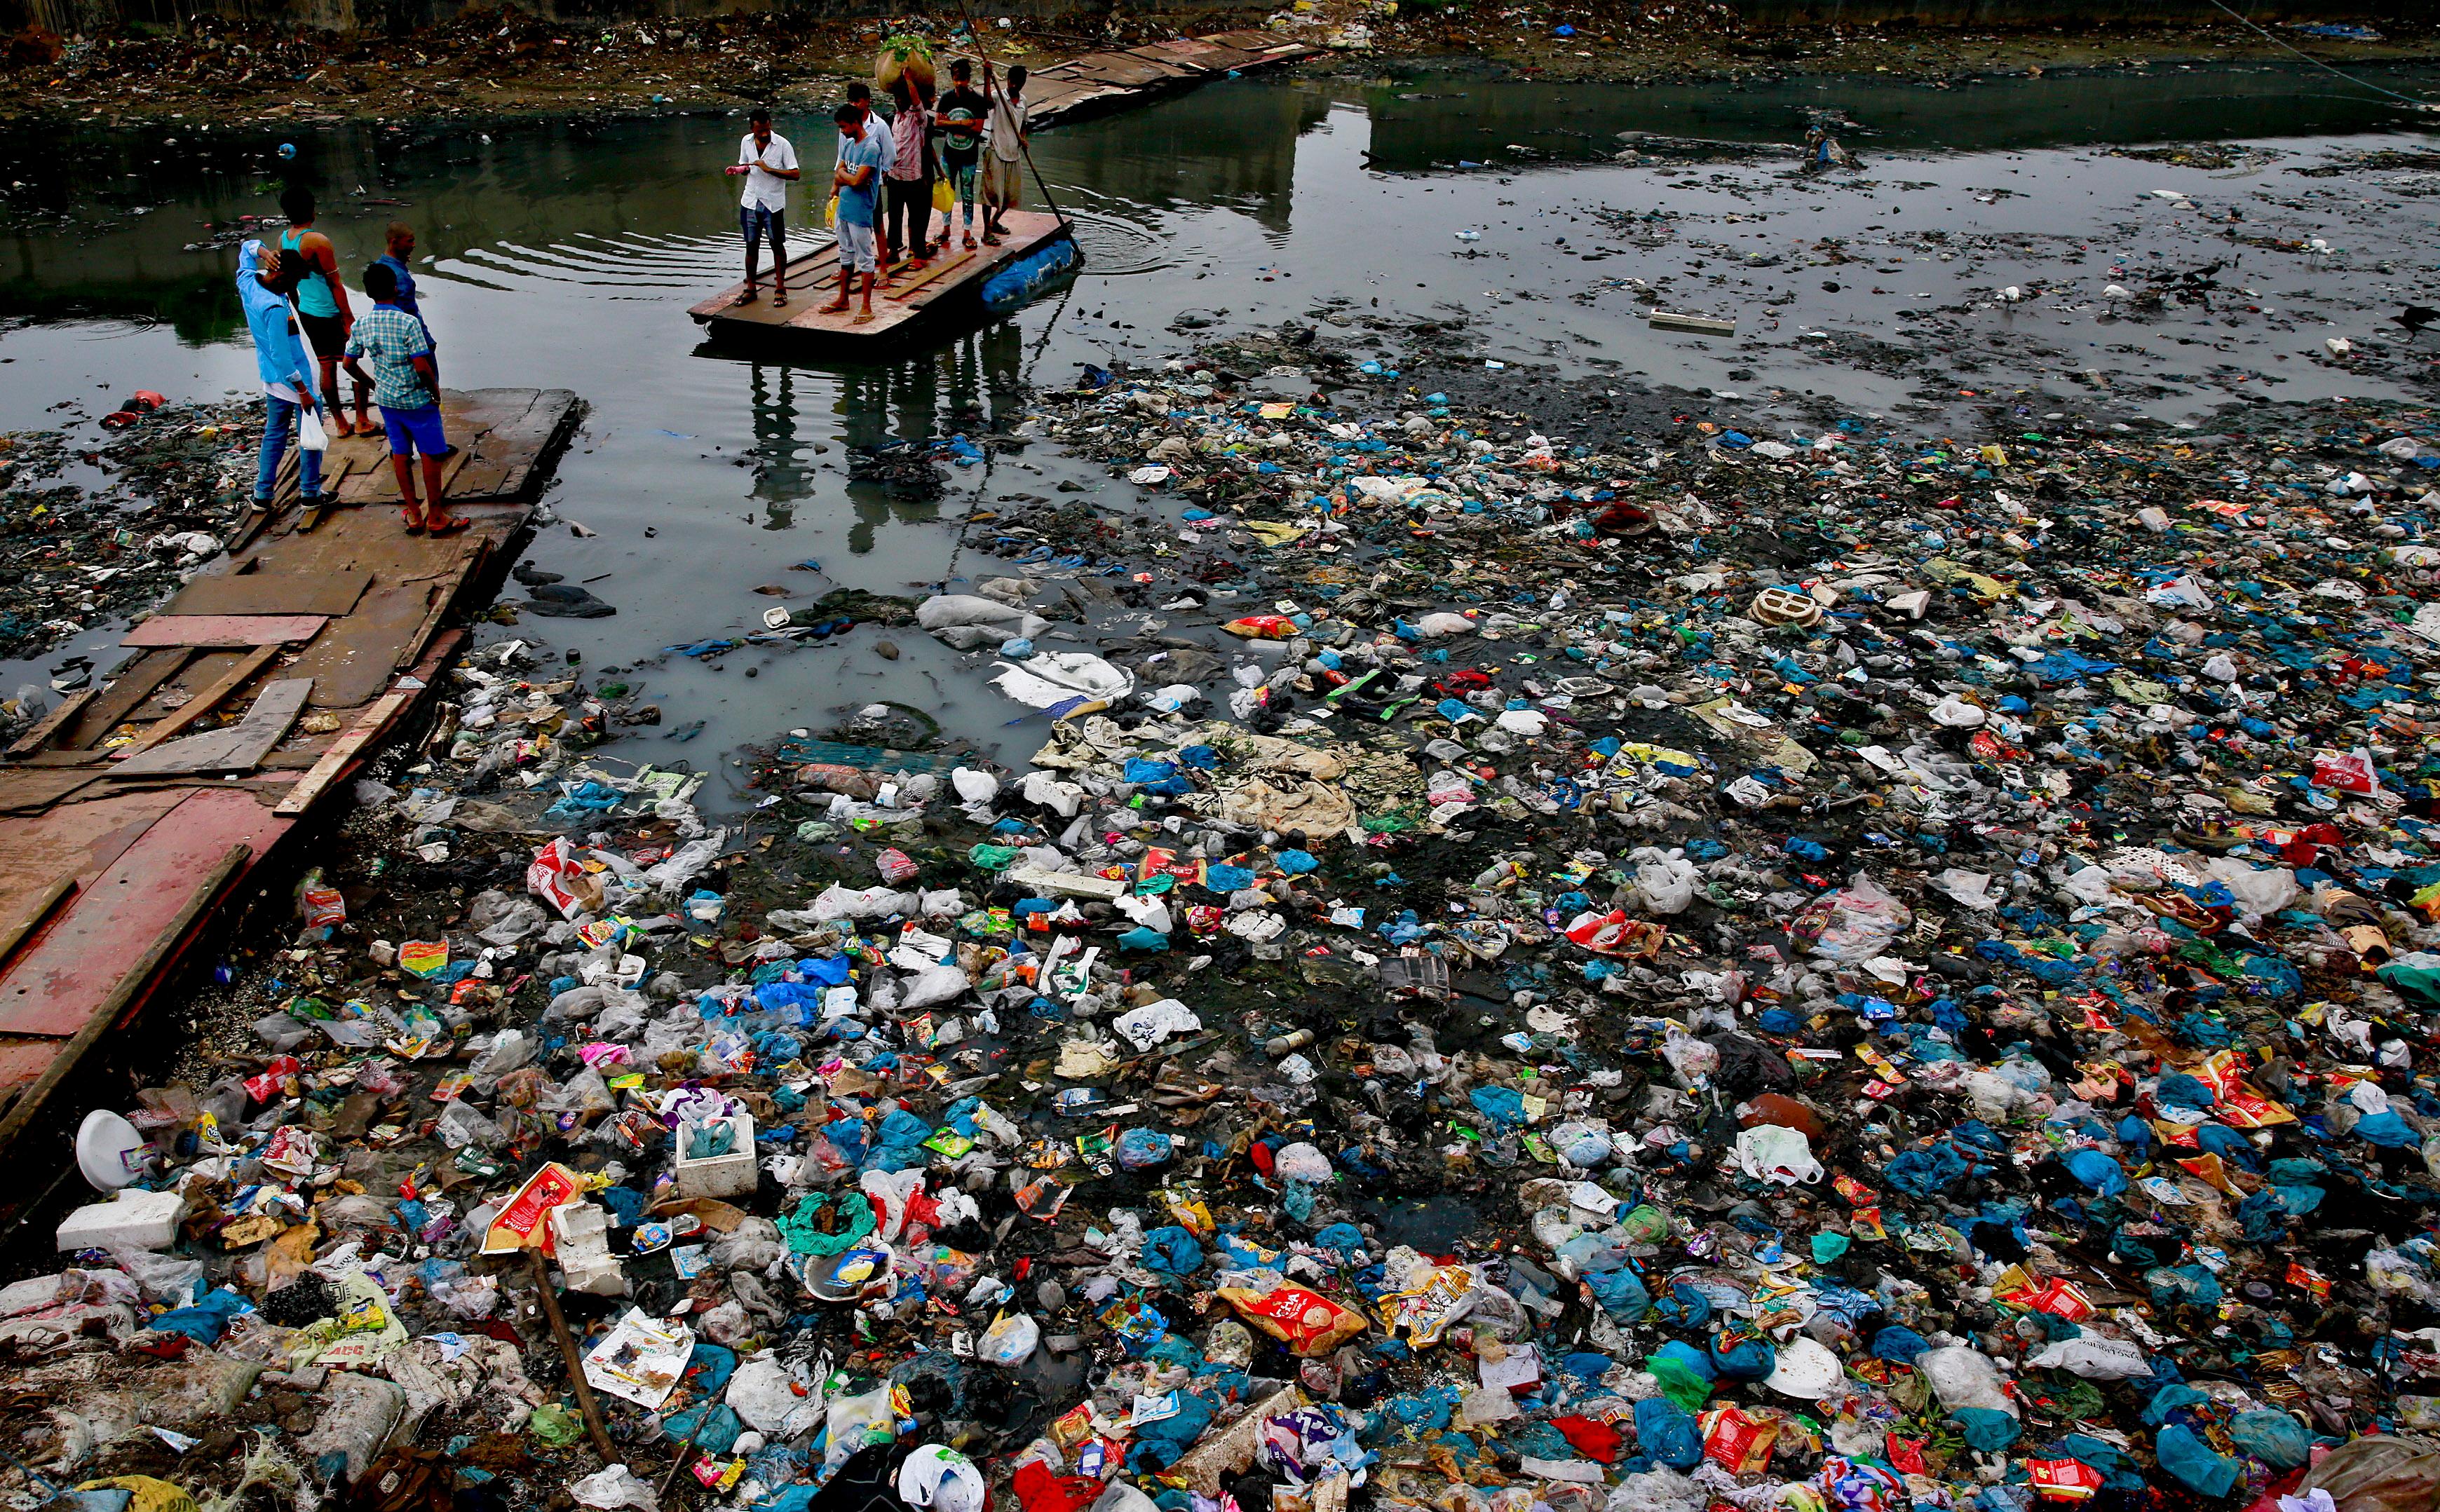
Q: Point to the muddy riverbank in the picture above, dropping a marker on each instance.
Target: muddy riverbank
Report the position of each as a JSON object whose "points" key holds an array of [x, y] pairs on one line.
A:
{"points": [[505, 64]]}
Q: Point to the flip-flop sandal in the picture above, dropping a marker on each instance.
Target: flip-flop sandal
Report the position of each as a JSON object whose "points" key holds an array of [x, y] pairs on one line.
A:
{"points": [[865, 319], [447, 527], [414, 523]]}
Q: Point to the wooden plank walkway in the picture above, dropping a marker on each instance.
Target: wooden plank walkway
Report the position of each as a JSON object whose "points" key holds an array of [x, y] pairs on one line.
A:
{"points": [[1105, 81], [133, 813]]}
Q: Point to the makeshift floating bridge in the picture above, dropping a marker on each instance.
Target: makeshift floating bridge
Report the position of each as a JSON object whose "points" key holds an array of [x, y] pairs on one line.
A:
{"points": [[959, 287], [140, 805]]}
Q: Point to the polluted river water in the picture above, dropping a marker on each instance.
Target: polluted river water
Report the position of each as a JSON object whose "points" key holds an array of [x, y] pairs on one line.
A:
{"points": [[1496, 236]]}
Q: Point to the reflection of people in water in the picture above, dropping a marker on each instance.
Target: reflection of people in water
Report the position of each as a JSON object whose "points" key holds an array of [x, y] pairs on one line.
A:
{"points": [[971, 388], [779, 474]]}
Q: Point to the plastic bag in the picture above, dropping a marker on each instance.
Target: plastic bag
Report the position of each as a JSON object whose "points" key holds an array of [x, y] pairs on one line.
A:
{"points": [[1010, 1341], [1773, 1152], [1854, 924], [2382, 1474], [1666, 1431], [1666, 881], [763, 1395], [2184, 1454], [1962, 1375], [1309, 1323], [616, 1487], [857, 1423], [2275, 1438]]}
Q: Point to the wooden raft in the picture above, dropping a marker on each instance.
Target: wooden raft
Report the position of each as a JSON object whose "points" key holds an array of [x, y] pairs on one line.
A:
{"points": [[901, 297]]}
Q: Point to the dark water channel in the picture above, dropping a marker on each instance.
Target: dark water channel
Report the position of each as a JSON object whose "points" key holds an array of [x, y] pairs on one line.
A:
{"points": [[565, 255]]}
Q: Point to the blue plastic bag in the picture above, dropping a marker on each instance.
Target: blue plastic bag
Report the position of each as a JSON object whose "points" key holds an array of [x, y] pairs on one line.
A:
{"points": [[2277, 1439], [2183, 1453], [1667, 1433]]}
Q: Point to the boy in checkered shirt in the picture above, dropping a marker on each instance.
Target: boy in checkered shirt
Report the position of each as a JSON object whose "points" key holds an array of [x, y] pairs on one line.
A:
{"points": [[406, 386]]}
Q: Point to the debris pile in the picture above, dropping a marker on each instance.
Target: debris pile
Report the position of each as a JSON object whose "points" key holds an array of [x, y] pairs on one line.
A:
{"points": [[1839, 969], [173, 481]]}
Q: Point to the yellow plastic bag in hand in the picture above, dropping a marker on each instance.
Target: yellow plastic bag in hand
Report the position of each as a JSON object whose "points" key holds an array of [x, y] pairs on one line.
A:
{"points": [[941, 199], [830, 216]]}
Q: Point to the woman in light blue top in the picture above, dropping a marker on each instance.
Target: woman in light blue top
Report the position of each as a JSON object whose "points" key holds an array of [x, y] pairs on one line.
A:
{"points": [[322, 304], [264, 277]]}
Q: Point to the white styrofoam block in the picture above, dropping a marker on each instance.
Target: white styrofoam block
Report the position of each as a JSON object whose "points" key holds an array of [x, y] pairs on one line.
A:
{"points": [[146, 1220], [730, 1175], [579, 1236]]}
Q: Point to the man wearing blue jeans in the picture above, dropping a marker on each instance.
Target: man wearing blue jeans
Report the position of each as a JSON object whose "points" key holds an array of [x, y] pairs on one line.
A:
{"points": [[768, 166], [265, 277]]}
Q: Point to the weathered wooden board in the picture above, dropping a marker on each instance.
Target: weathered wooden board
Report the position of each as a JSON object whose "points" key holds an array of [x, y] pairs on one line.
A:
{"points": [[239, 748]]}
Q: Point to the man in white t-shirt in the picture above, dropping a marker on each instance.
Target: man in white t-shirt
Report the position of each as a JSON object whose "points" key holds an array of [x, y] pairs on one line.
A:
{"points": [[768, 165], [1004, 137]]}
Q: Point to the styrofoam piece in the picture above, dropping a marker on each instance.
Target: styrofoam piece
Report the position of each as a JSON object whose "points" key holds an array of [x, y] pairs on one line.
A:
{"points": [[580, 1240], [143, 1220], [730, 1175]]}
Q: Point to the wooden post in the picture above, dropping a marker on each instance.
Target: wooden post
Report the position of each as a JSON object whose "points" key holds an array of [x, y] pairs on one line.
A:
{"points": [[575, 1358]]}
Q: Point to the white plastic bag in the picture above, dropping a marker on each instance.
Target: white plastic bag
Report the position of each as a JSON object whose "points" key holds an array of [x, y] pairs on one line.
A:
{"points": [[1147, 1026], [2094, 1358], [617, 1486], [939, 984], [1962, 1375], [762, 1394], [1010, 1341], [1773, 1152], [1666, 881]]}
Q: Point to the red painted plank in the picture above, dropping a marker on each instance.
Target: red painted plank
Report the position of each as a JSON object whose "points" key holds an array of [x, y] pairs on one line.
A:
{"points": [[60, 978], [23, 1062], [224, 631]]}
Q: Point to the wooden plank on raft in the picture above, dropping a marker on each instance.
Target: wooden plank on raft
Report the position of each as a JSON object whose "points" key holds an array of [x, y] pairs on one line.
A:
{"points": [[239, 748], [343, 750], [40, 736], [224, 631], [935, 271], [271, 593], [381, 485], [154, 942], [36, 910], [203, 702], [127, 691]]}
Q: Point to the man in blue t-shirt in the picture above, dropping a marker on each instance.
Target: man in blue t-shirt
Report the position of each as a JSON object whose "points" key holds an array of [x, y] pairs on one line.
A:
{"points": [[398, 249], [857, 183]]}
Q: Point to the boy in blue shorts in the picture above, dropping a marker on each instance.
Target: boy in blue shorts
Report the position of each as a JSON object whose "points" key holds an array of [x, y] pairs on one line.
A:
{"points": [[406, 385]]}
